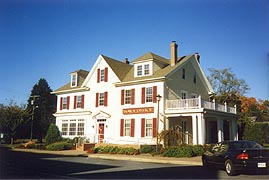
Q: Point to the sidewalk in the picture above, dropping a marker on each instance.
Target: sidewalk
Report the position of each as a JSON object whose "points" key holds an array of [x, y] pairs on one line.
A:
{"points": [[194, 161]]}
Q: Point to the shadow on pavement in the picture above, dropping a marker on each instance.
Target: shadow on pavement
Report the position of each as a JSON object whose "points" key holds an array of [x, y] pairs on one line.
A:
{"points": [[22, 165]]}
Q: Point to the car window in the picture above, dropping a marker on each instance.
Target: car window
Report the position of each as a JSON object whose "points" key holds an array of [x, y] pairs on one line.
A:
{"points": [[237, 145], [254, 145], [223, 148], [215, 148]]}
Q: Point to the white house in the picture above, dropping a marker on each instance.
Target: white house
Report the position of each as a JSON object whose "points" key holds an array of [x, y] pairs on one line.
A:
{"points": [[129, 103]]}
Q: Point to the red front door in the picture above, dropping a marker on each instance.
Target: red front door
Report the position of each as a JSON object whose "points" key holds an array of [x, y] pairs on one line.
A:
{"points": [[101, 132]]}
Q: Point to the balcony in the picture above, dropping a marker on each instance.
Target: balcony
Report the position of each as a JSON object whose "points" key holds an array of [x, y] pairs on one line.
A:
{"points": [[197, 103]]}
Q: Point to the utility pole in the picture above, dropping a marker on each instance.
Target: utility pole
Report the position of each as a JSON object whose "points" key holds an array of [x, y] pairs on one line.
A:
{"points": [[33, 112]]}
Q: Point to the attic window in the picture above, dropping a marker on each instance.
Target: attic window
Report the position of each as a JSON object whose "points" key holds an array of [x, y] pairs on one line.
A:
{"points": [[143, 69], [74, 80]]}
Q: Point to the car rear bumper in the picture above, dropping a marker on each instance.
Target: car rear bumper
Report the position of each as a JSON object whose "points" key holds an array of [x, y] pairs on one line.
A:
{"points": [[252, 165]]}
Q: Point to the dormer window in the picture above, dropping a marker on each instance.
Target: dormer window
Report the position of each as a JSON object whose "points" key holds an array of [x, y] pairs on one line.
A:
{"points": [[139, 70], [146, 69], [143, 69], [74, 80]]}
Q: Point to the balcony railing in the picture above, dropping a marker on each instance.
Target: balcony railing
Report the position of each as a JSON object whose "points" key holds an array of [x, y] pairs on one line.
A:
{"points": [[197, 103]]}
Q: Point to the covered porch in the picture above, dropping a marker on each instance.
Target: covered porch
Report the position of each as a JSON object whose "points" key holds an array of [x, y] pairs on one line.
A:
{"points": [[201, 122]]}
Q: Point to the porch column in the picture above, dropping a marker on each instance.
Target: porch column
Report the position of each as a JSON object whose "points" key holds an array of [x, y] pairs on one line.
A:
{"points": [[201, 129], [234, 130], [220, 129], [194, 129]]}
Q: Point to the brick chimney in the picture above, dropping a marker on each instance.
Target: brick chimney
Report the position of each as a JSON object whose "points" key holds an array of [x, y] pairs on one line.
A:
{"points": [[173, 53]]}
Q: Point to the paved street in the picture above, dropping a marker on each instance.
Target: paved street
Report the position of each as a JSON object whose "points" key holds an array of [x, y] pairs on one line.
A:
{"points": [[25, 165]]}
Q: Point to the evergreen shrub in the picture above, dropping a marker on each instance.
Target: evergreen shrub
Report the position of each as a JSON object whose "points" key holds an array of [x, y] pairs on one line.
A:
{"points": [[53, 134], [59, 146]]}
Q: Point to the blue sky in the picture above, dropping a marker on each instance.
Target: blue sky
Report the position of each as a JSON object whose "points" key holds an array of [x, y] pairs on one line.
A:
{"points": [[51, 38]]}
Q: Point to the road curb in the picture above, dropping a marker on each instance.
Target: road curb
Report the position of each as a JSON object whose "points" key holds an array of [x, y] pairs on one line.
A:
{"points": [[164, 160]]}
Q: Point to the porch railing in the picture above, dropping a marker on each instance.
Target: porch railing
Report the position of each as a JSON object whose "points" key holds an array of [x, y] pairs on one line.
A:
{"points": [[196, 103]]}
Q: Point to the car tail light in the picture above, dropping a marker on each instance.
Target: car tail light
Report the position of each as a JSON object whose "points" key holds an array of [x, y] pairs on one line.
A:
{"points": [[242, 156]]}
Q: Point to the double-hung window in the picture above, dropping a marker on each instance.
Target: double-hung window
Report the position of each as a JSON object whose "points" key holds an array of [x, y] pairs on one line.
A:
{"points": [[148, 127], [64, 129], [139, 70], [127, 127], [102, 75], [72, 128], [149, 94], [146, 69], [79, 101], [73, 80], [64, 103], [101, 99], [127, 97], [80, 131]]}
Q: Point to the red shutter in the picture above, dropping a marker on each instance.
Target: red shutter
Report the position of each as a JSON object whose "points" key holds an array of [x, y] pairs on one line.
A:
{"points": [[132, 127], [133, 96], [68, 102], [143, 96], [154, 130], [98, 75], [75, 102], [97, 100], [154, 94], [143, 127], [106, 74], [105, 100], [122, 97], [61, 103], [121, 127], [82, 101]]}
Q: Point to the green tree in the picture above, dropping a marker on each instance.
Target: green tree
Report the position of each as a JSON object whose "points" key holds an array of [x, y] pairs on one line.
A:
{"points": [[12, 119], [53, 134], [42, 104], [228, 88]]}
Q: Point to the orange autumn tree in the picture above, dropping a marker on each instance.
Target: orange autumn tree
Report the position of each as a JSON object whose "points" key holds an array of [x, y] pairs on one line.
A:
{"points": [[254, 110]]}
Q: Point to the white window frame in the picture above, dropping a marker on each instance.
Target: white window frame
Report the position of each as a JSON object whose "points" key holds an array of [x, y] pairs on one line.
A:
{"points": [[148, 95], [102, 75], [127, 127], [64, 103], [65, 129], [79, 102], [73, 128], [101, 99], [143, 69], [127, 96], [139, 70], [148, 127], [80, 128], [74, 79]]}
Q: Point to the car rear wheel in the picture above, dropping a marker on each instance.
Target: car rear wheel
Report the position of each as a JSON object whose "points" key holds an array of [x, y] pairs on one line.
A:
{"points": [[229, 168]]}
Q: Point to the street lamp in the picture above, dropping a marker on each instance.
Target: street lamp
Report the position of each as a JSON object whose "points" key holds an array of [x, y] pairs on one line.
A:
{"points": [[158, 97], [34, 107]]}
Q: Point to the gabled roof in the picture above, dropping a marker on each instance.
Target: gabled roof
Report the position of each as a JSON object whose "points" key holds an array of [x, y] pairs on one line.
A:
{"points": [[119, 68], [151, 56], [82, 74]]}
